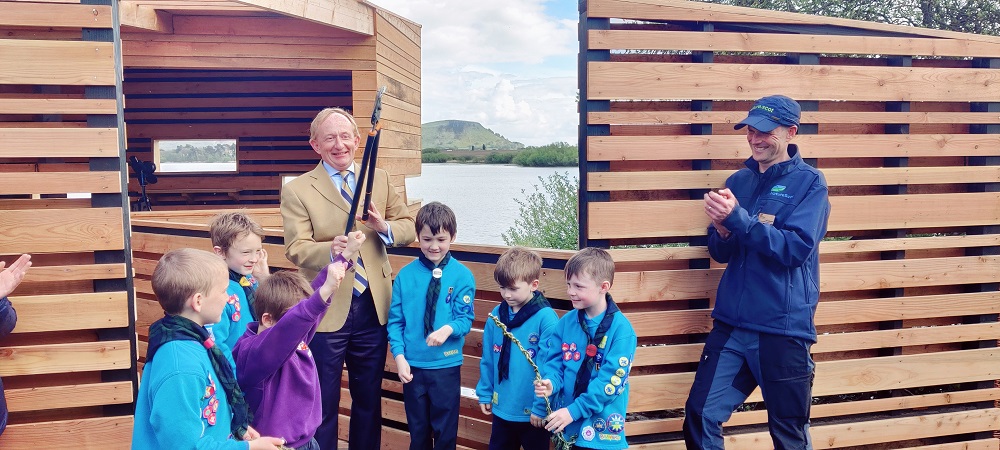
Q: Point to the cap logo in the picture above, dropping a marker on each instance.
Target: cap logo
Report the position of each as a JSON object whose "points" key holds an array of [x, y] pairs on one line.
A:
{"points": [[765, 108]]}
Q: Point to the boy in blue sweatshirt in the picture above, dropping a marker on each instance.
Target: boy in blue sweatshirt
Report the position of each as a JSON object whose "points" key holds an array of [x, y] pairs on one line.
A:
{"points": [[237, 239], [588, 358], [188, 397], [430, 314], [505, 376]]}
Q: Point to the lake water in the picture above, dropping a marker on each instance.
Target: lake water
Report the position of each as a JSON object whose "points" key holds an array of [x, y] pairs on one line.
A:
{"points": [[482, 195]]}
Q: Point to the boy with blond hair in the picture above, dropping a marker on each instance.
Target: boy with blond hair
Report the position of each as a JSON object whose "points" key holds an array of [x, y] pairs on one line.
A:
{"points": [[588, 358], [238, 240], [276, 367], [505, 376], [189, 397]]}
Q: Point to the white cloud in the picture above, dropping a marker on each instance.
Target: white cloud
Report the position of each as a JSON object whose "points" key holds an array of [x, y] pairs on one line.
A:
{"points": [[506, 64]]}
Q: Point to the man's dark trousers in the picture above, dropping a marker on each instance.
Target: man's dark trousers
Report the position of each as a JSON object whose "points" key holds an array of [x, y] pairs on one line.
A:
{"points": [[362, 343]]}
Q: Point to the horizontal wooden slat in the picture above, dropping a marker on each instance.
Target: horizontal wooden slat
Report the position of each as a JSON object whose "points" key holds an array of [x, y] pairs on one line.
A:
{"points": [[671, 81], [679, 148], [857, 176], [76, 434], [50, 274], [59, 358], [848, 214], [905, 273], [57, 106], [808, 117], [62, 230], [56, 397], [57, 62], [679, 10], [60, 182], [798, 43], [71, 312], [58, 142], [18, 14]]}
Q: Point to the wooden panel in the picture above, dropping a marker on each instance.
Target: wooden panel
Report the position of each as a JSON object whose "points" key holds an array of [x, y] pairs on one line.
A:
{"points": [[64, 230], [51, 274], [667, 391], [733, 117], [60, 182], [848, 213], [799, 43], [680, 10], [72, 312], [858, 176], [58, 142], [56, 397], [349, 15], [57, 62], [58, 358], [641, 81], [90, 434], [54, 15], [645, 148], [57, 106]]}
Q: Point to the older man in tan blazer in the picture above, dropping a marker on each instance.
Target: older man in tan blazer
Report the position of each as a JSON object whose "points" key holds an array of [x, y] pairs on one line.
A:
{"points": [[315, 209]]}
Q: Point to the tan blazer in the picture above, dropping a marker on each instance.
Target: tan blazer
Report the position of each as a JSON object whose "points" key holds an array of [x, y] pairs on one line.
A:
{"points": [[314, 212]]}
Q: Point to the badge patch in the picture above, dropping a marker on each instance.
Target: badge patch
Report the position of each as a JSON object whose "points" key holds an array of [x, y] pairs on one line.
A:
{"points": [[623, 361], [531, 353], [496, 348], [565, 346], [533, 338], [609, 389], [620, 373], [572, 347], [615, 380], [616, 423], [604, 341], [599, 424], [588, 433], [576, 356], [567, 355], [766, 219], [467, 299]]}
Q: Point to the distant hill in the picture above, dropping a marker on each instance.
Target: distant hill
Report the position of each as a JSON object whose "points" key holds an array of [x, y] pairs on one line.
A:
{"points": [[463, 135]]}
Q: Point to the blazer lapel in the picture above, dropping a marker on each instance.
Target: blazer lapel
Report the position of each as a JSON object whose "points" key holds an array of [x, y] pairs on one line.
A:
{"points": [[324, 185]]}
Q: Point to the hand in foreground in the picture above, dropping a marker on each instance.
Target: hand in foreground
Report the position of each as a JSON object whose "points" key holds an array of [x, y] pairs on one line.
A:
{"points": [[403, 369], [536, 421], [260, 269], [486, 408], [12, 276], [251, 434], [558, 420], [375, 220], [267, 443], [354, 241], [543, 388], [439, 336], [334, 275]]}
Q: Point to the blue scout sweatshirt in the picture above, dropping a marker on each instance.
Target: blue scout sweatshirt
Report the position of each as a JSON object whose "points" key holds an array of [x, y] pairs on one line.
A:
{"points": [[181, 402], [513, 398], [406, 314], [599, 413], [771, 283], [235, 318]]}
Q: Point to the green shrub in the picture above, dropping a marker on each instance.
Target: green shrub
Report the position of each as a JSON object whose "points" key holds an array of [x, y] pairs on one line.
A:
{"points": [[547, 217], [434, 157]]}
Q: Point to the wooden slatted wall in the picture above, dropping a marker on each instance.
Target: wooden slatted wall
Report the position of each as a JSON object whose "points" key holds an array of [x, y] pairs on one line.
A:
{"points": [[261, 80], [68, 369], [904, 123]]}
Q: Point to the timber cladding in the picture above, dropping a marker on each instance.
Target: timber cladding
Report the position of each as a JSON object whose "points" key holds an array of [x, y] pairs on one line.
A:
{"points": [[905, 125], [69, 367]]}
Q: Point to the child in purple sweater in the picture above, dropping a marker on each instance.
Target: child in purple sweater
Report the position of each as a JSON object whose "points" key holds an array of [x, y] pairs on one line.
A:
{"points": [[276, 369]]}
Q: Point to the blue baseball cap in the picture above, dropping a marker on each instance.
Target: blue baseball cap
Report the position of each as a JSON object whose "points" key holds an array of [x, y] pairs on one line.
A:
{"points": [[770, 112]]}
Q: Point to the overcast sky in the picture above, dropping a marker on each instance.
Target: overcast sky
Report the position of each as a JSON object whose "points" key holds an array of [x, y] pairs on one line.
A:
{"points": [[507, 64]]}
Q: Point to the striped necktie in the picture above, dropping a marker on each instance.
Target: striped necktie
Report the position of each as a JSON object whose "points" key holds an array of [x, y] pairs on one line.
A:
{"points": [[360, 274]]}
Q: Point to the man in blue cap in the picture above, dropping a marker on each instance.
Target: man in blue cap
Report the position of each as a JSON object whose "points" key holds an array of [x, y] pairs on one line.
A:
{"points": [[766, 225]]}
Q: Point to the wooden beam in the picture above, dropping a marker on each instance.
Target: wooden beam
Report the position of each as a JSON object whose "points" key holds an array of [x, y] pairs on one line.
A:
{"points": [[145, 17], [96, 310], [58, 142], [95, 433], [74, 396], [60, 358], [57, 62], [59, 106], [350, 15]]}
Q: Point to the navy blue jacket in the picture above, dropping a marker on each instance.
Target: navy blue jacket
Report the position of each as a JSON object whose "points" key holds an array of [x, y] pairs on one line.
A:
{"points": [[771, 282], [8, 318]]}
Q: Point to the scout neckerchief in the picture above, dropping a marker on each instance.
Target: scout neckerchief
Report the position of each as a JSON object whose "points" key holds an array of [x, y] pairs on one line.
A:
{"points": [[529, 309], [583, 376], [433, 289], [246, 282], [177, 328]]}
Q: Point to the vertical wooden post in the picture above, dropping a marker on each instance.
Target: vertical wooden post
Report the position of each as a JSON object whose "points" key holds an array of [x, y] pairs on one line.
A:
{"points": [[586, 129]]}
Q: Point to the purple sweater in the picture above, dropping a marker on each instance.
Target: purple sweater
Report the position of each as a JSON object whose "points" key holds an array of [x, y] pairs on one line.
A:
{"points": [[278, 374]]}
